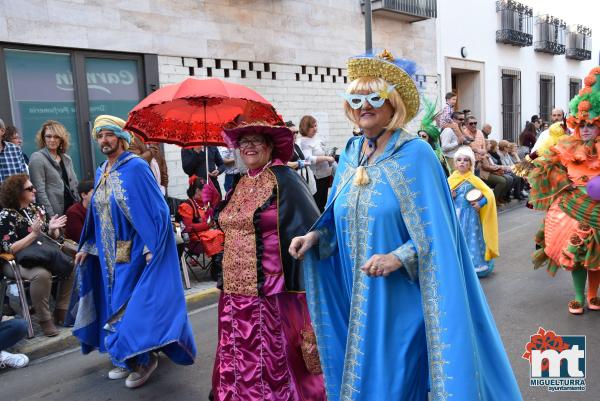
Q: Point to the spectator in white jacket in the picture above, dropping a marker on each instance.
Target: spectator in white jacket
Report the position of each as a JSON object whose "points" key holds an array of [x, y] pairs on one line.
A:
{"points": [[451, 138], [321, 163]]}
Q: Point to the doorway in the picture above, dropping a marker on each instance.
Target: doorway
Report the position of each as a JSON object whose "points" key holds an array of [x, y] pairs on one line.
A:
{"points": [[465, 78]]}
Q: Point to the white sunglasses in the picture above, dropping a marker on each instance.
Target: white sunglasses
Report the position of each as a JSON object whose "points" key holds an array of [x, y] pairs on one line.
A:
{"points": [[375, 99]]}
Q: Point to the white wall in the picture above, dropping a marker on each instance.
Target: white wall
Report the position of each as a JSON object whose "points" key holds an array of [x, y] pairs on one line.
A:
{"points": [[473, 24]]}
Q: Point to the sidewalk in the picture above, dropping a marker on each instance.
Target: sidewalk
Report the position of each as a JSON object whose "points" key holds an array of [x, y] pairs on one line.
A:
{"points": [[40, 346]]}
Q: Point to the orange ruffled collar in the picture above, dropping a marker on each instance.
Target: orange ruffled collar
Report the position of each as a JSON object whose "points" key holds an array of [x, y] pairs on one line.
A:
{"points": [[572, 150]]}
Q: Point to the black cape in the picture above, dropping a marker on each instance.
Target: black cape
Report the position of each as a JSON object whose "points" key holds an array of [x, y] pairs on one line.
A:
{"points": [[297, 212]]}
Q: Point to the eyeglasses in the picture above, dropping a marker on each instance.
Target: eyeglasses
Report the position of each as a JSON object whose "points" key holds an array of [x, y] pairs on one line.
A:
{"points": [[375, 99], [47, 136], [473, 123], [29, 188], [583, 124], [246, 143]]}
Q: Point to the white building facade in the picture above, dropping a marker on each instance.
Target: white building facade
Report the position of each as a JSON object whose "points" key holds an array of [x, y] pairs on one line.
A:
{"points": [[505, 84]]}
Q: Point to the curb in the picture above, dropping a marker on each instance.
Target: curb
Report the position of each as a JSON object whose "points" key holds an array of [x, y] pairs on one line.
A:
{"points": [[65, 340], [192, 299]]}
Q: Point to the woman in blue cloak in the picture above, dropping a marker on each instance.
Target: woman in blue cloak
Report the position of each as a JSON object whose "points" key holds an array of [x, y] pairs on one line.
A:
{"points": [[395, 302]]}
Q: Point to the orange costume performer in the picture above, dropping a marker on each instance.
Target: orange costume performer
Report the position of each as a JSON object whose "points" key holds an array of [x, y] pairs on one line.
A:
{"points": [[570, 235]]}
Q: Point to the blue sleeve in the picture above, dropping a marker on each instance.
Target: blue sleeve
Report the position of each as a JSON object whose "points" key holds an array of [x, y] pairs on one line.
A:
{"points": [[483, 202], [327, 241], [407, 255]]}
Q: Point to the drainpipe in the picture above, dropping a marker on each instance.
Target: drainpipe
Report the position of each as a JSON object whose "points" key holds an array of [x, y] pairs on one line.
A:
{"points": [[368, 29]]}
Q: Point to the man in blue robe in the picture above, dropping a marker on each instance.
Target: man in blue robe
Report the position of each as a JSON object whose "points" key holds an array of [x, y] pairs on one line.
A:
{"points": [[131, 302]]}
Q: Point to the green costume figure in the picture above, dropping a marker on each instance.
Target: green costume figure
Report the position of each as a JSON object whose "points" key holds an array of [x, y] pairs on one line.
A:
{"points": [[429, 132]]}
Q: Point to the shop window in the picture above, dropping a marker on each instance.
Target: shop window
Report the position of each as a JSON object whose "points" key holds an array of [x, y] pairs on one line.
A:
{"points": [[40, 89], [72, 87], [113, 88]]}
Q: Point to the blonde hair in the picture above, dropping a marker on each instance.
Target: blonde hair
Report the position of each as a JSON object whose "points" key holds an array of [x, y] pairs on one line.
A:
{"points": [[59, 130], [373, 84], [503, 144]]}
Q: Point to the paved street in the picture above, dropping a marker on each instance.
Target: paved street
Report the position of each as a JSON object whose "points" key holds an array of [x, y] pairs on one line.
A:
{"points": [[522, 300]]}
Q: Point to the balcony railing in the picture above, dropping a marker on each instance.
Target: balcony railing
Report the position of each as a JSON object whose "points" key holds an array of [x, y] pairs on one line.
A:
{"points": [[515, 22], [550, 35], [579, 43], [408, 10]]}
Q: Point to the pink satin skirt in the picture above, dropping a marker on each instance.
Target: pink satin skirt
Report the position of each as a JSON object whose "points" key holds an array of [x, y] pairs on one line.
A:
{"points": [[258, 355]]}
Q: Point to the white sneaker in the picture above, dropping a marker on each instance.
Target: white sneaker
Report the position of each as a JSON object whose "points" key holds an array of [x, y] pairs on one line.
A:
{"points": [[117, 373], [13, 360], [141, 374], [481, 269]]}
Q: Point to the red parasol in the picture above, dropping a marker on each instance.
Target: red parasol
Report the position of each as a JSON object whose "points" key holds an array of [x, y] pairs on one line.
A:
{"points": [[194, 112]]}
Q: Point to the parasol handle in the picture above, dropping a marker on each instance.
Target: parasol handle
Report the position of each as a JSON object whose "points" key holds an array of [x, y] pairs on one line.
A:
{"points": [[206, 158], [204, 101]]}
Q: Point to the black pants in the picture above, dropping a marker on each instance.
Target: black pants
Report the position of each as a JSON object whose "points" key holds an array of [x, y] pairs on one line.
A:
{"points": [[322, 191]]}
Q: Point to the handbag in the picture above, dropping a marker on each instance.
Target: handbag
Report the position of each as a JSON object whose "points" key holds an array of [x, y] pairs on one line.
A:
{"points": [[46, 253], [69, 247], [212, 241], [310, 353]]}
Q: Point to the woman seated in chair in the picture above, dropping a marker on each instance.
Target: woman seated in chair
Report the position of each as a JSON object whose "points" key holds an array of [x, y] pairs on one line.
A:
{"points": [[22, 222], [197, 221]]}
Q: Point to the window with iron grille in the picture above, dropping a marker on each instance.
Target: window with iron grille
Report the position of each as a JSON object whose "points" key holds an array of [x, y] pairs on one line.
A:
{"points": [[574, 87], [511, 104], [546, 96]]}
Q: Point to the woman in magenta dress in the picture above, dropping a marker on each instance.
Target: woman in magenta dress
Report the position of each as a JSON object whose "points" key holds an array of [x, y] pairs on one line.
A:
{"points": [[266, 346]]}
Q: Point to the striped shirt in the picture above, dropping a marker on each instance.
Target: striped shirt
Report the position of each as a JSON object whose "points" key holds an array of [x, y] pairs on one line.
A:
{"points": [[11, 161]]}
